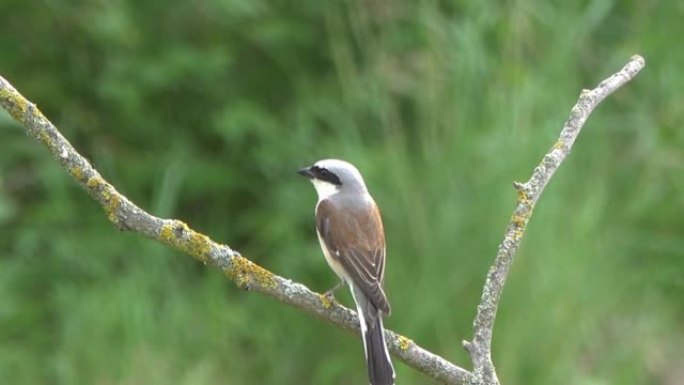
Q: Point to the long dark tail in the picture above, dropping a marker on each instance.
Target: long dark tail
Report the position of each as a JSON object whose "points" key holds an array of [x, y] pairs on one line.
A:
{"points": [[380, 369]]}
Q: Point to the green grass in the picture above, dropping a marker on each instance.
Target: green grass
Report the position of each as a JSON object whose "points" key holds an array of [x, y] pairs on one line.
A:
{"points": [[205, 112]]}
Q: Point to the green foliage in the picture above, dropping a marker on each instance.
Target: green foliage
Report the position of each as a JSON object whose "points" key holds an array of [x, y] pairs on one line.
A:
{"points": [[203, 111]]}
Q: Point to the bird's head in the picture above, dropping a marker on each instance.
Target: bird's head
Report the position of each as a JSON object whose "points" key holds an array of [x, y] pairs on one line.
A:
{"points": [[330, 176]]}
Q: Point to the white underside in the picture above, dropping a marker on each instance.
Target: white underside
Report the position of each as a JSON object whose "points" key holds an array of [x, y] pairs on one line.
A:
{"points": [[334, 265]]}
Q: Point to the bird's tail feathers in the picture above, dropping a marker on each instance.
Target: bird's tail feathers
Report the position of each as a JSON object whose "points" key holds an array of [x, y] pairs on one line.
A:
{"points": [[380, 369]]}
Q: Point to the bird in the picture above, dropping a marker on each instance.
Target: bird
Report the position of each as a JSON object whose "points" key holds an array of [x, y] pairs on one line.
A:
{"points": [[352, 238]]}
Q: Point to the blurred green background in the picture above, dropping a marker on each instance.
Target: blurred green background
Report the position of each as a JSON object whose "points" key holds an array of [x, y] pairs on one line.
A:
{"points": [[203, 110]]}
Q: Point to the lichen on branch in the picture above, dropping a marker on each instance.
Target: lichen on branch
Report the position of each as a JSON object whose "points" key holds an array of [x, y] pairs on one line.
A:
{"points": [[174, 233], [125, 215]]}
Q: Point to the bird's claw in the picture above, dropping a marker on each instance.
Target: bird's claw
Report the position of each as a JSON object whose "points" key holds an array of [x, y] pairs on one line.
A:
{"points": [[330, 294]]}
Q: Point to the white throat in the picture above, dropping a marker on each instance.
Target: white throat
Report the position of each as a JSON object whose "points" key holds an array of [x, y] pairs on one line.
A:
{"points": [[324, 189]]}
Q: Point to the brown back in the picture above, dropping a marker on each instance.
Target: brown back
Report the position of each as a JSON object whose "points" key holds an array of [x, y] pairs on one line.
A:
{"points": [[356, 239]]}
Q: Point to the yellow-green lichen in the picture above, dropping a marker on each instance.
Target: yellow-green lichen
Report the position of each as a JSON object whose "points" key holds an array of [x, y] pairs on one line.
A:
{"points": [[559, 145], [77, 173], [104, 193], [95, 182], [166, 234], [517, 234], [181, 237], [325, 301], [111, 207], [245, 273], [404, 343], [519, 220], [45, 138], [110, 202], [13, 102], [199, 245], [524, 198]]}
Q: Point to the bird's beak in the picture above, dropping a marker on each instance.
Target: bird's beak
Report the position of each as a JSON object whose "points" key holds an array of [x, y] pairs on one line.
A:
{"points": [[306, 171]]}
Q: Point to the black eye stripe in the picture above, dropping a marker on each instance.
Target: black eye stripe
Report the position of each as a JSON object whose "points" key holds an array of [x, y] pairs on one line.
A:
{"points": [[326, 175]]}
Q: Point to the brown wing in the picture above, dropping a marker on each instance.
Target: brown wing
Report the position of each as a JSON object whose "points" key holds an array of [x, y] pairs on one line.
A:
{"points": [[356, 239]]}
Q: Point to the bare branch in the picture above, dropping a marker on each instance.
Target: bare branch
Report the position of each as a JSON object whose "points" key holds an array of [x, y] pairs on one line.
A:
{"points": [[125, 215], [247, 275], [528, 194]]}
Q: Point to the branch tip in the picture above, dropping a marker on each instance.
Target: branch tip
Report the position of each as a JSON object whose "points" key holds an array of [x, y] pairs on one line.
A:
{"points": [[528, 195]]}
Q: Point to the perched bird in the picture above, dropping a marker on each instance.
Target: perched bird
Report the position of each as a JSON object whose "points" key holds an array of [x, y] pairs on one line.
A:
{"points": [[352, 238]]}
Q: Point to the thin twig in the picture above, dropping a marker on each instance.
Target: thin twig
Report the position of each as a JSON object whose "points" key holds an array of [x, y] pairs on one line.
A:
{"points": [[528, 194], [125, 215]]}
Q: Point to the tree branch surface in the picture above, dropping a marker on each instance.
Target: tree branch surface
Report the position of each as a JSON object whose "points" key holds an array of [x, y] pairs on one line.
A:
{"points": [[480, 348], [125, 215]]}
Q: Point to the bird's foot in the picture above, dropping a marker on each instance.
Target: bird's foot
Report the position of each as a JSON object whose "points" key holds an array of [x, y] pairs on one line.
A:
{"points": [[330, 294]]}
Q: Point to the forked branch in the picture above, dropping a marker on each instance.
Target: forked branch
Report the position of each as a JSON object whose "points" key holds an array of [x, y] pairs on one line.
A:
{"points": [[125, 215], [480, 348]]}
